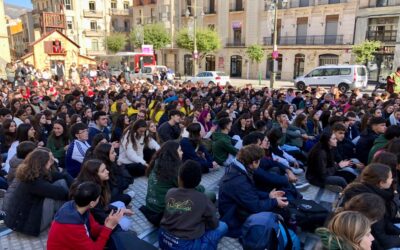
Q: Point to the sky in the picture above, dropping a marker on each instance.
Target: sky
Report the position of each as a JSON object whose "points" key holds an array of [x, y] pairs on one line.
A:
{"points": [[23, 3]]}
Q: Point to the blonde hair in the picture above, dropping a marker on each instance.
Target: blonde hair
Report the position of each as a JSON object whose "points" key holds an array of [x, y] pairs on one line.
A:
{"points": [[349, 227]]}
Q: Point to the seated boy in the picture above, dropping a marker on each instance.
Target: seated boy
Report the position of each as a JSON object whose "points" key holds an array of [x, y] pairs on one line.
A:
{"points": [[77, 149], [190, 220], [75, 228]]}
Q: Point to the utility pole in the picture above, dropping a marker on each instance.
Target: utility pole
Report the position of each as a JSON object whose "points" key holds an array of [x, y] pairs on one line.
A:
{"points": [[195, 52], [275, 47]]}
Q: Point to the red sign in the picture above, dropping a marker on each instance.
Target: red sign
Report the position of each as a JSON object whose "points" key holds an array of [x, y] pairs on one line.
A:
{"points": [[275, 54]]}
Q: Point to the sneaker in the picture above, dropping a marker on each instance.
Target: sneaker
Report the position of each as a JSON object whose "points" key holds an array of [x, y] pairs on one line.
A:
{"points": [[334, 188], [301, 186], [297, 171], [2, 216], [131, 193]]}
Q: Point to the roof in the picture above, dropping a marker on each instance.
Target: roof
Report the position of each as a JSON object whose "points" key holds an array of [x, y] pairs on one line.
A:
{"points": [[86, 57], [48, 34]]}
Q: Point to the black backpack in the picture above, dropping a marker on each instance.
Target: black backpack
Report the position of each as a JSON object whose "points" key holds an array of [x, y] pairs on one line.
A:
{"points": [[309, 214]]}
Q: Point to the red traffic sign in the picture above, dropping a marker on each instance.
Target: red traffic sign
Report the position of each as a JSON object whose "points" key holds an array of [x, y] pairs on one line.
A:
{"points": [[275, 54]]}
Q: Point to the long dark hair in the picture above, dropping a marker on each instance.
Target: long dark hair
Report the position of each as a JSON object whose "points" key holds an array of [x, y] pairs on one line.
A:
{"points": [[322, 145], [131, 133], [194, 133], [119, 123], [102, 152], [9, 137], [62, 140], [22, 132], [89, 172], [167, 160]]}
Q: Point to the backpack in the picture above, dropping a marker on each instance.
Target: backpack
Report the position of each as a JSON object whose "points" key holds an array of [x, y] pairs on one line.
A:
{"points": [[266, 230], [309, 214]]}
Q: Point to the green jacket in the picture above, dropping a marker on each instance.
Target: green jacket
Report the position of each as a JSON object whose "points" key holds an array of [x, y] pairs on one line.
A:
{"points": [[330, 241], [156, 191], [222, 147], [379, 143], [57, 152]]}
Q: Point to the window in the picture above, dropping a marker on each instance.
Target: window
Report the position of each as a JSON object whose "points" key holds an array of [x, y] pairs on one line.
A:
{"points": [[113, 4], [69, 25], [92, 5], [93, 25], [331, 72], [211, 26], [126, 5], [345, 71], [328, 59], [68, 4], [317, 72], [95, 45], [361, 71], [126, 25]]}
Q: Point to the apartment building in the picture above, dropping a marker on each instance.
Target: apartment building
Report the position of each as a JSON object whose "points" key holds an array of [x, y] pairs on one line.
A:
{"points": [[5, 56], [16, 35], [380, 20], [86, 22], [310, 33]]}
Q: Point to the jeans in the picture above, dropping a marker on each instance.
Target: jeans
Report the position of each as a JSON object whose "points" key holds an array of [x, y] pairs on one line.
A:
{"points": [[336, 180], [125, 222], [208, 241]]}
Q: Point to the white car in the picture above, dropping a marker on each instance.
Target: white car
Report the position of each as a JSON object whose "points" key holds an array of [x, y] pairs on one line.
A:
{"points": [[344, 77], [217, 77]]}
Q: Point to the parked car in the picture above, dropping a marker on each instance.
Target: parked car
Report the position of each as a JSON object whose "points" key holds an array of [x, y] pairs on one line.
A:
{"points": [[147, 72], [344, 77], [217, 77]]}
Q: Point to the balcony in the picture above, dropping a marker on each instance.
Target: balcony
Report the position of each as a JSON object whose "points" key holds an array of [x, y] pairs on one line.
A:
{"points": [[97, 52], [386, 36], [306, 40], [380, 3], [236, 9], [236, 44], [93, 33], [93, 13], [322, 2], [121, 29], [210, 11], [119, 12]]}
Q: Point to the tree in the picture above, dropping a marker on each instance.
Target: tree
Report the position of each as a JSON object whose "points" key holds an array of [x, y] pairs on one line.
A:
{"points": [[364, 52], [154, 34], [207, 41], [115, 42], [255, 53]]}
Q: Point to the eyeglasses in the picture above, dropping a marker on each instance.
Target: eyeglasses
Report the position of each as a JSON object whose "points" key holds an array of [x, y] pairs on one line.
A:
{"points": [[83, 131]]}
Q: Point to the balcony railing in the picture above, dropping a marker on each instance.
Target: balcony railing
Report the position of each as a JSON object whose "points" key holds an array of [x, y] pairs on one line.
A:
{"points": [[209, 11], [95, 52], [92, 33], [380, 3], [119, 12], [236, 43], [306, 40], [121, 29], [388, 36], [93, 13], [322, 2], [235, 9]]}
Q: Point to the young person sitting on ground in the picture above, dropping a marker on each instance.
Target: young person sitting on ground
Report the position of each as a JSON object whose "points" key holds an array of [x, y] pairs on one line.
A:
{"points": [[23, 149], [223, 150], [239, 197], [347, 230], [99, 126], [190, 219], [74, 226], [77, 149]]}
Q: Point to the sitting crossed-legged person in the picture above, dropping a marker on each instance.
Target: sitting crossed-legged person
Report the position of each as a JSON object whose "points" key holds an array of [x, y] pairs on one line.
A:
{"points": [[190, 220]]}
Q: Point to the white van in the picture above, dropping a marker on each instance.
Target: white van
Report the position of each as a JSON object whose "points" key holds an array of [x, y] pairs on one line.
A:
{"points": [[344, 77]]}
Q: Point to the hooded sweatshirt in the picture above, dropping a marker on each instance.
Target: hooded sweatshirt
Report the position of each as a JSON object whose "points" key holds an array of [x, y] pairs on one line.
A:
{"points": [[222, 147], [71, 230], [379, 143]]}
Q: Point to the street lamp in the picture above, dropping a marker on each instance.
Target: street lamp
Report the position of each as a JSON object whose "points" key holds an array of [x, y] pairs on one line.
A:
{"points": [[275, 53], [195, 52]]}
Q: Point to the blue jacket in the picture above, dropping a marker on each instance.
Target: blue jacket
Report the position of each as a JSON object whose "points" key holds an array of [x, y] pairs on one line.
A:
{"points": [[239, 198], [265, 179], [93, 130], [189, 153]]}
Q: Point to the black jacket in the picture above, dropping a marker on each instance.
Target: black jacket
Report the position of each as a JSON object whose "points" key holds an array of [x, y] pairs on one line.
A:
{"points": [[386, 234], [319, 168], [25, 203], [365, 144]]}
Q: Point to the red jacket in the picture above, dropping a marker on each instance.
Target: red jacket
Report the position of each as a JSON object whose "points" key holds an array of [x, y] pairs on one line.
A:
{"points": [[68, 231]]}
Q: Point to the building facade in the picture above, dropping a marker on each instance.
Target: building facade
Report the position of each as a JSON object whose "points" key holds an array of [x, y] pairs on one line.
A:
{"points": [[380, 20], [88, 22], [310, 33], [5, 56]]}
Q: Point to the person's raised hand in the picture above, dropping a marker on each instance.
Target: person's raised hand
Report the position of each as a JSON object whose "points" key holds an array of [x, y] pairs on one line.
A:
{"points": [[282, 202]]}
